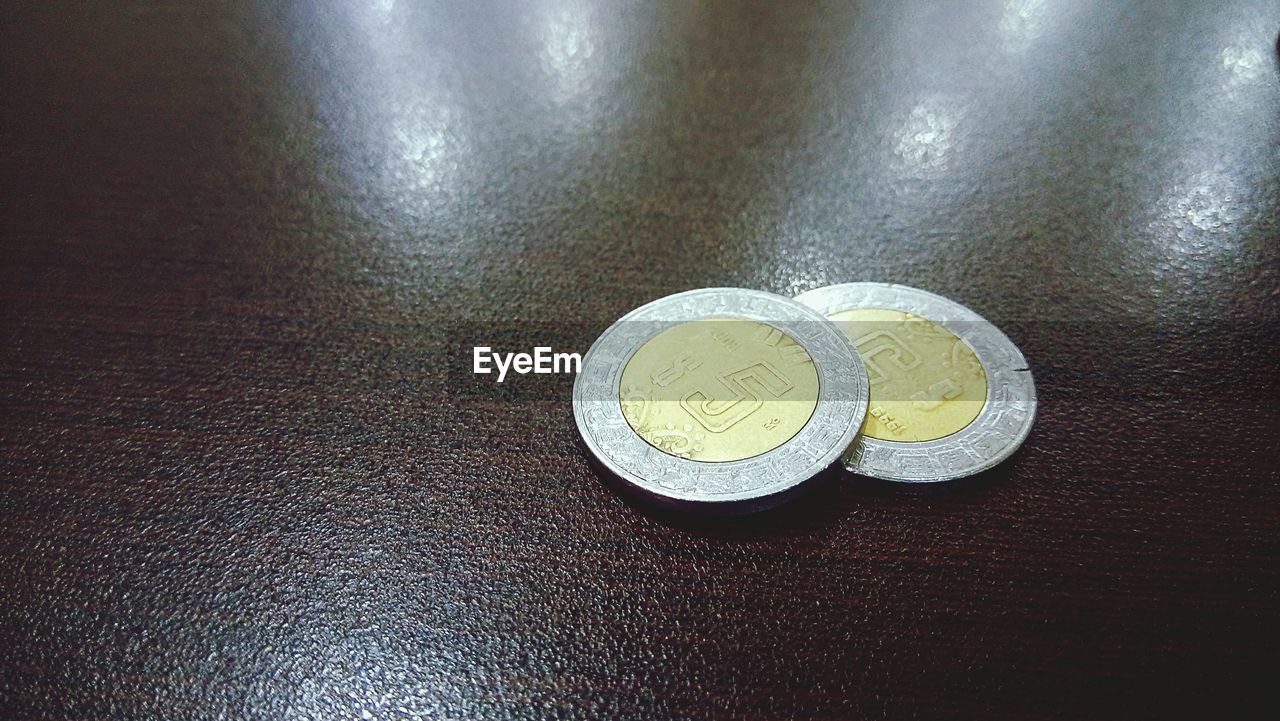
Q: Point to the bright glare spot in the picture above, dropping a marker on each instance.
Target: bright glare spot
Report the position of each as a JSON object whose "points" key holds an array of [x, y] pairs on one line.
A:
{"points": [[926, 138], [1196, 218], [429, 148], [1020, 22], [567, 49], [1203, 206], [1243, 63]]}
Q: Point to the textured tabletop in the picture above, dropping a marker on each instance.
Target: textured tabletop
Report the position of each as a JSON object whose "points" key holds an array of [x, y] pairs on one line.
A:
{"points": [[246, 250]]}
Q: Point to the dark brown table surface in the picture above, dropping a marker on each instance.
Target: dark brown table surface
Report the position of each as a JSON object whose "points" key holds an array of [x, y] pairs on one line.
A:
{"points": [[247, 249]]}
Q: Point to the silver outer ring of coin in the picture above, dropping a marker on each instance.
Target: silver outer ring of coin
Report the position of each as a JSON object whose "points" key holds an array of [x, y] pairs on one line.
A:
{"points": [[999, 429], [751, 484]]}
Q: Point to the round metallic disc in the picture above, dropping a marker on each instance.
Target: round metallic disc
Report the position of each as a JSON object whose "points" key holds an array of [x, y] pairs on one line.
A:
{"points": [[719, 400], [951, 395]]}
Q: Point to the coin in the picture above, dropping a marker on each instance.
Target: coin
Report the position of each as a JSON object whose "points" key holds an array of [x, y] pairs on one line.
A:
{"points": [[951, 395], [720, 400]]}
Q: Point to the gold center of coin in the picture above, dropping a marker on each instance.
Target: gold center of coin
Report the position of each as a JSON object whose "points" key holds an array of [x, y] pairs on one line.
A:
{"points": [[719, 389], [925, 382]]}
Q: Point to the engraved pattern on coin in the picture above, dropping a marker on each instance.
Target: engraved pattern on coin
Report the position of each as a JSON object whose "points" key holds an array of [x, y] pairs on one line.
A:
{"points": [[926, 383], [735, 389], [1000, 427], [606, 412]]}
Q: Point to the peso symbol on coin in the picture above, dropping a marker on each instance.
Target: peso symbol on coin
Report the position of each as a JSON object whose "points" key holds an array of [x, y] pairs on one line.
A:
{"points": [[951, 395], [720, 400]]}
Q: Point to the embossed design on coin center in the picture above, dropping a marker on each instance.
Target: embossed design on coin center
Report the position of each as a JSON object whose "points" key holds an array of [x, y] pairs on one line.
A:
{"points": [[926, 383], [719, 389]]}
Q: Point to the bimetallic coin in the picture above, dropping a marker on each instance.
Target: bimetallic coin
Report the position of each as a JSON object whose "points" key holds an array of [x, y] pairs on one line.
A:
{"points": [[719, 400], [951, 395]]}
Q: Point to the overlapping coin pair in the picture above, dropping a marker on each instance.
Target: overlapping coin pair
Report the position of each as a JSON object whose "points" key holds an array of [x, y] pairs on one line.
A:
{"points": [[725, 400]]}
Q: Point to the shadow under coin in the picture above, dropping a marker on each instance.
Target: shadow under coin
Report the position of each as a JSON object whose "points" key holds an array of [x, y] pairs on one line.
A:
{"points": [[816, 506]]}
